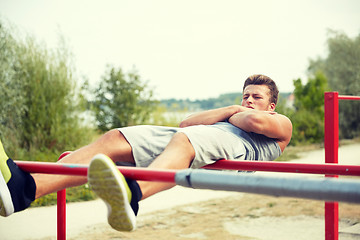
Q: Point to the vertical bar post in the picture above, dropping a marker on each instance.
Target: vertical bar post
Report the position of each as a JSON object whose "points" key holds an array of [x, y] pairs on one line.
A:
{"points": [[61, 214], [61, 209], [331, 144]]}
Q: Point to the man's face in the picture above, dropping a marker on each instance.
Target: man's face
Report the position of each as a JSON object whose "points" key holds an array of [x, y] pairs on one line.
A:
{"points": [[257, 97]]}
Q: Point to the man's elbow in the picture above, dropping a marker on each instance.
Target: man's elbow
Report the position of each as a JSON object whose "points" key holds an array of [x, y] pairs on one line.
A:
{"points": [[184, 123]]}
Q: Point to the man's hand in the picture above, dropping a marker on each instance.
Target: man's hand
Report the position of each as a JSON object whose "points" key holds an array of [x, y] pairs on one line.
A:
{"points": [[212, 116]]}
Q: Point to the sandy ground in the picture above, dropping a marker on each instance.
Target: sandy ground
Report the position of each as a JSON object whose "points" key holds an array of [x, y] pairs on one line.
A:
{"points": [[182, 213]]}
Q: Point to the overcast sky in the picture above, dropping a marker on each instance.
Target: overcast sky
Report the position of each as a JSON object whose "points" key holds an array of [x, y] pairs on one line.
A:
{"points": [[189, 48]]}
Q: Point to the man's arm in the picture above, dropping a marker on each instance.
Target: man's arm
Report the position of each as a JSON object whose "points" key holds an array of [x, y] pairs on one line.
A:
{"points": [[212, 116], [270, 124]]}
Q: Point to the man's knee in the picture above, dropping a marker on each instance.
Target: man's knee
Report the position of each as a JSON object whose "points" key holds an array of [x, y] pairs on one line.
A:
{"points": [[110, 136], [181, 137], [114, 144], [183, 141], [113, 139]]}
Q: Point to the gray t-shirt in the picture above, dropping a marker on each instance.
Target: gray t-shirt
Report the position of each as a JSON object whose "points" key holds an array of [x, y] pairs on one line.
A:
{"points": [[257, 146], [221, 140]]}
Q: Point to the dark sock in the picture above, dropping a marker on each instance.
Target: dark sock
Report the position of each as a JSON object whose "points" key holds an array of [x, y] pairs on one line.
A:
{"points": [[22, 187], [136, 194]]}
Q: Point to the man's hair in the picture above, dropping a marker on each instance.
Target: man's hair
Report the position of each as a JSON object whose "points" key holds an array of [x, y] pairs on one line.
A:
{"points": [[259, 79]]}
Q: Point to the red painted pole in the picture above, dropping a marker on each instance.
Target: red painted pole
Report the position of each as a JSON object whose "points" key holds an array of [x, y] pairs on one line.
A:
{"points": [[61, 209], [342, 97], [331, 142], [167, 175], [148, 174], [145, 174], [53, 168], [330, 169], [61, 214]]}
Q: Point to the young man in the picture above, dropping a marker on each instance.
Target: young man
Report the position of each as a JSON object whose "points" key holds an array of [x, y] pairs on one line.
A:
{"points": [[252, 131]]}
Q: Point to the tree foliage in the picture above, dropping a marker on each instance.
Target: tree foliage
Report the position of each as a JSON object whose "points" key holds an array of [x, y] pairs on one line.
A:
{"points": [[204, 104], [122, 100], [38, 103], [310, 96], [342, 68], [12, 102], [308, 114]]}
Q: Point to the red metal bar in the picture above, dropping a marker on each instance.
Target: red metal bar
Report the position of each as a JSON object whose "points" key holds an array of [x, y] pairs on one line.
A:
{"points": [[61, 209], [330, 169], [145, 174], [53, 168], [331, 142], [61, 214], [342, 97], [148, 174]]}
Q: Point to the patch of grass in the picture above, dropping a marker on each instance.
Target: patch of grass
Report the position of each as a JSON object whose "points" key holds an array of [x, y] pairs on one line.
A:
{"points": [[271, 204], [344, 142], [293, 152], [254, 208], [74, 194], [289, 154]]}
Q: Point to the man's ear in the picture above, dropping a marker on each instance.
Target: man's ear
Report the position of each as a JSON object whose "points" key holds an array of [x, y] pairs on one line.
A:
{"points": [[272, 107]]}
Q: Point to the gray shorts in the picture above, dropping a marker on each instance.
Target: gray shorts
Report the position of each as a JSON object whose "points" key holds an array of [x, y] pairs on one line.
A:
{"points": [[210, 143]]}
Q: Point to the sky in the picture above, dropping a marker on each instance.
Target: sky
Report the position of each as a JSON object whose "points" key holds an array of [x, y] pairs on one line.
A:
{"points": [[192, 49]]}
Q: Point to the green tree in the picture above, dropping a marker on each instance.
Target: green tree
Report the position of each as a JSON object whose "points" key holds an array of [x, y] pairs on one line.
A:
{"points": [[342, 68], [122, 100], [39, 108], [311, 95], [308, 115], [12, 101]]}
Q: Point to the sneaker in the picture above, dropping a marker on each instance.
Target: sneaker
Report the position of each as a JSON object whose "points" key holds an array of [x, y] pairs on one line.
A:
{"points": [[17, 188], [112, 187]]}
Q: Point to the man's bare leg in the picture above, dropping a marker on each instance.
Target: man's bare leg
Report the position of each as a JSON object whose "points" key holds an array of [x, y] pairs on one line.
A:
{"points": [[112, 144], [178, 154], [122, 195]]}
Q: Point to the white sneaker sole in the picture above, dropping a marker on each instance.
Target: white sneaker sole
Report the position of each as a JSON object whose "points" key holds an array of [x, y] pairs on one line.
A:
{"points": [[109, 184], [6, 204]]}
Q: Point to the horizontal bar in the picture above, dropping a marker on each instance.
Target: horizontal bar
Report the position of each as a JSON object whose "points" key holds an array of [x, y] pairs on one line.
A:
{"points": [[344, 97], [145, 174], [53, 168], [148, 174], [167, 175], [326, 189], [331, 169], [329, 189]]}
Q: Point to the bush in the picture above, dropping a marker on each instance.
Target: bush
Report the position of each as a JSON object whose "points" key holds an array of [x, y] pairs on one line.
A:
{"points": [[74, 194], [40, 103], [122, 100]]}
